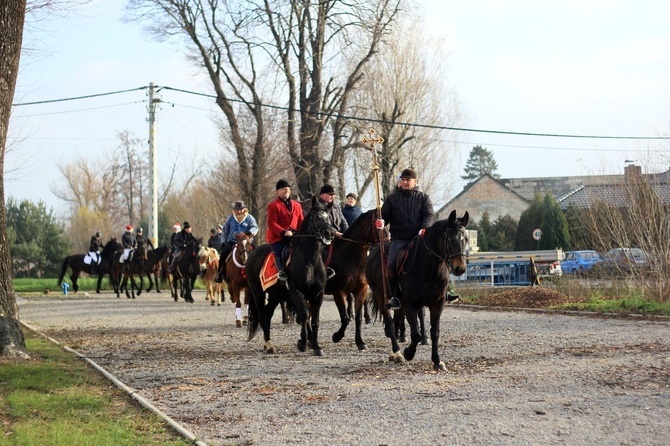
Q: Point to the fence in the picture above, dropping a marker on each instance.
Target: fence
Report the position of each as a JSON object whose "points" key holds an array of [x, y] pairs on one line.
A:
{"points": [[496, 273]]}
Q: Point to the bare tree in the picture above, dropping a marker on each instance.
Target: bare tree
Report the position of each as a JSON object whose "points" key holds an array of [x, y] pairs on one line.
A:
{"points": [[12, 19], [263, 52], [632, 215], [405, 92]]}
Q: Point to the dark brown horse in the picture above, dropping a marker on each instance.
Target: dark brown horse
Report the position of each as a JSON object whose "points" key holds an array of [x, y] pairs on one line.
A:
{"points": [[236, 275], [153, 265], [122, 272], [186, 272], [347, 256], [423, 279], [76, 264]]}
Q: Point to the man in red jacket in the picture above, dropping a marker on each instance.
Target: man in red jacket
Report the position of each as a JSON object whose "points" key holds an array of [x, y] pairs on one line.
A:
{"points": [[284, 219]]}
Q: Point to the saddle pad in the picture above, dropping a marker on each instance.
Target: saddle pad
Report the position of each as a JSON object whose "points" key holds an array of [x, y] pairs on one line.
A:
{"points": [[87, 259], [269, 273]]}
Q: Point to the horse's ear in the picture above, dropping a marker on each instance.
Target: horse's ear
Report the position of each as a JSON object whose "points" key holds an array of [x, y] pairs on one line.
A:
{"points": [[465, 219], [452, 216]]}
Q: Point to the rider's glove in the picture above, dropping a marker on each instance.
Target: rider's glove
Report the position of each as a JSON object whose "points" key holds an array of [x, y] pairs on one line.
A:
{"points": [[379, 223], [421, 232]]}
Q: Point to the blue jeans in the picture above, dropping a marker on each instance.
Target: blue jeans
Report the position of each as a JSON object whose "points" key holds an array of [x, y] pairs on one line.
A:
{"points": [[397, 245]]}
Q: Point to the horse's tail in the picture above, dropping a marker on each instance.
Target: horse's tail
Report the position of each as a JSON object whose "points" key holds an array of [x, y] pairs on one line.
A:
{"points": [[164, 275], [63, 269], [254, 318]]}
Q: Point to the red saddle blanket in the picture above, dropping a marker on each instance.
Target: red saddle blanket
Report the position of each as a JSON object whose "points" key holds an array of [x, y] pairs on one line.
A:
{"points": [[269, 273]]}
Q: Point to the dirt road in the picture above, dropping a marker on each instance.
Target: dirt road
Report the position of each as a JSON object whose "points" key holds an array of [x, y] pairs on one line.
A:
{"points": [[513, 378]]}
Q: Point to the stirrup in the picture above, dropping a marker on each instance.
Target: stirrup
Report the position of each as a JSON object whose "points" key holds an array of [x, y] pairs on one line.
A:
{"points": [[282, 276], [330, 272], [393, 304]]}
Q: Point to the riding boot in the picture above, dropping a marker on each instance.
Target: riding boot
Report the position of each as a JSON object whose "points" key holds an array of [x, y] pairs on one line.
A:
{"points": [[330, 272], [280, 269], [394, 302]]}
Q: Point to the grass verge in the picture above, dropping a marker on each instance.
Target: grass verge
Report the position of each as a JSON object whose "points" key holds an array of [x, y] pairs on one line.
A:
{"points": [[57, 399]]}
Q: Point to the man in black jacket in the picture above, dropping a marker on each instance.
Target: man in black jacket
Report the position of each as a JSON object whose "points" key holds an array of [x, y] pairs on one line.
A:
{"points": [[410, 212], [181, 241]]}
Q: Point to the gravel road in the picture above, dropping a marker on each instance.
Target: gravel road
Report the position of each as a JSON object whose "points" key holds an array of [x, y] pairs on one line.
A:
{"points": [[513, 378]]}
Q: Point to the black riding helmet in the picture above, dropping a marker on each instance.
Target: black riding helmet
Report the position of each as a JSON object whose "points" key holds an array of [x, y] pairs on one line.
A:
{"points": [[97, 234]]}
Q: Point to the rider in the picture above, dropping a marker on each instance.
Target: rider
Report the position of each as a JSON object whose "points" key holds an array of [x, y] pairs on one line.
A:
{"points": [[94, 251], [410, 212], [142, 240], [181, 240], [175, 230], [129, 243], [284, 217], [350, 211], [239, 222], [214, 240], [337, 220]]}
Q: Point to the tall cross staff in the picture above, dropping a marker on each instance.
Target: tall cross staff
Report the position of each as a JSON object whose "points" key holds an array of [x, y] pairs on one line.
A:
{"points": [[370, 143]]}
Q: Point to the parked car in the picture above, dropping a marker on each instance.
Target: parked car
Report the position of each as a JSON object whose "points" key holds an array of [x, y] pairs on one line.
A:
{"points": [[621, 260], [579, 262]]}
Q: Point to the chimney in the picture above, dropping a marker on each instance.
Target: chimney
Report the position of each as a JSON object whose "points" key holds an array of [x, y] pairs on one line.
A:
{"points": [[632, 173]]}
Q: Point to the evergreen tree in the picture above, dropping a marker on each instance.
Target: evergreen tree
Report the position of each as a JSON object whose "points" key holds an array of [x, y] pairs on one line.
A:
{"points": [[480, 162], [504, 234], [529, 220], [37, 243], [555, 233], [484, 232]]}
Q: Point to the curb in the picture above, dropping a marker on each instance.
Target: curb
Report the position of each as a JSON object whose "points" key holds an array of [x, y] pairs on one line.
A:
{"points": [[181, 430], [634, 316]]}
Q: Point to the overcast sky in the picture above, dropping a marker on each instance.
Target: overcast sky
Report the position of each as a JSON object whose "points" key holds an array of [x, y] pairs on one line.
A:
{"points": [[599, 68]]}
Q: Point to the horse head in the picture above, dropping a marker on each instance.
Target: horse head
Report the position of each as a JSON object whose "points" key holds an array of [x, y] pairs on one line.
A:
{"points": [[318, 224], [363, 228], [456, 241], [242, 248]]}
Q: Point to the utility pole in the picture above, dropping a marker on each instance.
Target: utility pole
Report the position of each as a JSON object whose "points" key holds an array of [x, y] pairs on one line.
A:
{"points": [[153, 181]]}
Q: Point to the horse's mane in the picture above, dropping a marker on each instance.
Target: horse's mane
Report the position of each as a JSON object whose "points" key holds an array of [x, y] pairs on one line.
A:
{"points": [[111, 246], [305, 226], [354, 226]]}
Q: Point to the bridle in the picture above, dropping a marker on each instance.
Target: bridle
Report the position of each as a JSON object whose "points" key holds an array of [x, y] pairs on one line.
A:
{"points": [[244, 254], [316, 230], [446, 258]]}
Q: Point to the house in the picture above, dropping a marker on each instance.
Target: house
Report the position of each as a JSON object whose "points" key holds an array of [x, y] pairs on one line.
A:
{"points": [[512, 196]]}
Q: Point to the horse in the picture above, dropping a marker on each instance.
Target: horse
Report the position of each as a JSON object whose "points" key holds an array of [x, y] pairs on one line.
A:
{"points": [[76, 264], [186, 272], [153, 265], [347, 256], [423, 278], [304, 288], [121, 272], [236, 276], [208, 259]]}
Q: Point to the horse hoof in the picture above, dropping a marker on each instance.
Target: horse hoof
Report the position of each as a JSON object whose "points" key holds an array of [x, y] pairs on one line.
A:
{"points": [[367, 321], [408, 355], [337, 337], [397, 358], [440, 367], [238, 323], [402, 339], [318, 352], [212, 303], [301, 346], [362, 347], [270, 348], [424, 341]]}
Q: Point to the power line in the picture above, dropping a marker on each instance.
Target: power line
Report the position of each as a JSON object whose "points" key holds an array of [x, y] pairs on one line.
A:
{"points": [[371, 120], [76, 98]]}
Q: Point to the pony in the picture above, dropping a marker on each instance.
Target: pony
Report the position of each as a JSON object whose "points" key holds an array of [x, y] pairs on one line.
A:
{"points": [[133, 266], [153, 265], [236, 276], [208, 260], [186, 272], [76, 264], [423, 278], [347, 256], [304, 289]]}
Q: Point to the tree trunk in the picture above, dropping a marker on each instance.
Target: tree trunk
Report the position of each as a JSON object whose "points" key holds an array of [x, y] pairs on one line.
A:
{"points": [[12, 16]]}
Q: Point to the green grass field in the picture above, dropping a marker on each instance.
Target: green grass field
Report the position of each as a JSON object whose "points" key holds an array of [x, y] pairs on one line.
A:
{"points": [[56, 399], [86, 284]]}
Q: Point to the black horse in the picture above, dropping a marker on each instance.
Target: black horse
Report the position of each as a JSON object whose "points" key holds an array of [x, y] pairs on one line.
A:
{"points": [[347, 256], [121, 272], [306, 279], [423, 279], [76, 264], [186, 271], [152, 266]]}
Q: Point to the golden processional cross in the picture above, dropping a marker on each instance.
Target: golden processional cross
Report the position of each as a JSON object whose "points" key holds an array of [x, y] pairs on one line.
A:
{"points": [[370, 142]]}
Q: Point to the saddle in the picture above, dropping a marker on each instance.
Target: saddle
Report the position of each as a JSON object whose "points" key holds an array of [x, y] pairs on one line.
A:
{"points": [[88, 260], [269, 273]]}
